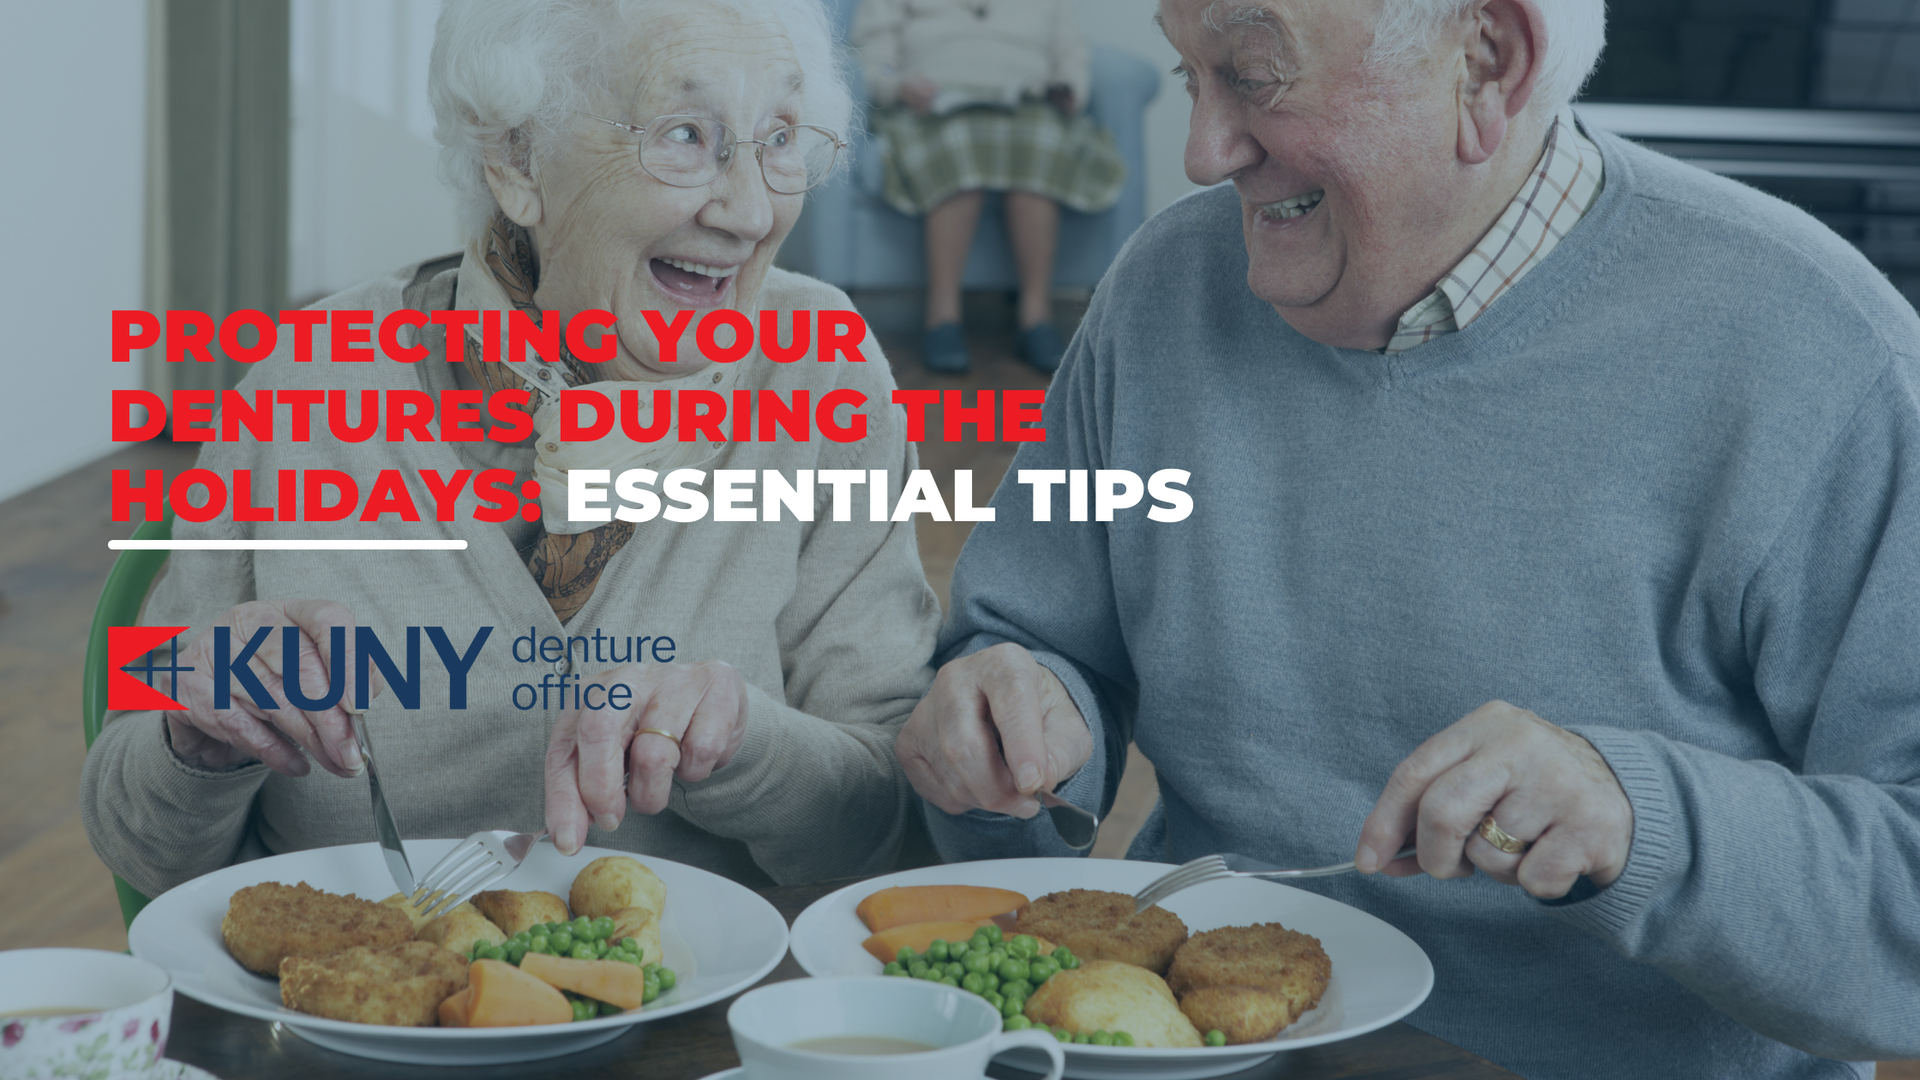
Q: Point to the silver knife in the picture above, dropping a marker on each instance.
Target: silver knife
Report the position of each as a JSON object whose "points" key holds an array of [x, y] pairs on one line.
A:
{"points": [[389, 833]]}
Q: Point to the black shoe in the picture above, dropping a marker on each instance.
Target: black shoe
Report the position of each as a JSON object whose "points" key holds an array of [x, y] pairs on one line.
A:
{"points": [[1041, 347], [944, 349]]}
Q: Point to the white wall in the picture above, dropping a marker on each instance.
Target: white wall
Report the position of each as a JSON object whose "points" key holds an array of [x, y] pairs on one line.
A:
{"points": [[75, 81], [1128, 24], [365, 196]]}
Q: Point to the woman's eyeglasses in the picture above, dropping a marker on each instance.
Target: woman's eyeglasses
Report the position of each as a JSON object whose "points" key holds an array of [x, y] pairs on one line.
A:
{"points": [[693, 151]]}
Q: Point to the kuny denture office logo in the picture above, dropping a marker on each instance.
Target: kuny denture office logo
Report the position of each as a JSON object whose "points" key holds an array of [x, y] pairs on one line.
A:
{"points": [[126, 644], [132, 685]]}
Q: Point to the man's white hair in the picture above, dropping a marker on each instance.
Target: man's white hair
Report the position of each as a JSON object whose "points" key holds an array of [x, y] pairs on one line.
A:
{"points": [[1576, 34], [512, 74]]}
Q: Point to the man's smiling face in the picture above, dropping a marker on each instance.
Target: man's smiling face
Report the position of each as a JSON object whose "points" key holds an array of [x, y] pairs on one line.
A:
{"points": [[1343, 170]]}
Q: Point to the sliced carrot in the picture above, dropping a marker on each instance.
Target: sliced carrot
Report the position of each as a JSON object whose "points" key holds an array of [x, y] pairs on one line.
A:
{"points": [[505, 996], [887, 944], [453, 1011], [613, 981], [906, 904]]}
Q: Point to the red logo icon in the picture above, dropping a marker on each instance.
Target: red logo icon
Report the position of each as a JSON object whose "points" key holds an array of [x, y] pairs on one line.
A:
{"points": [[126, 644]]}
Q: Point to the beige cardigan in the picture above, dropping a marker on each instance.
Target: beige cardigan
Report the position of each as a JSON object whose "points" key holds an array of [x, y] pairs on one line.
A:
{"points": [[1032, 44], [830, 624]]}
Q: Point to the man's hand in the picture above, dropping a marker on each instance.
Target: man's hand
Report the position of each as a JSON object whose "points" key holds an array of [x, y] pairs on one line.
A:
{"points": [[601, 761], [1541, 783], [995, 728], [918, 92], [216, 739]]}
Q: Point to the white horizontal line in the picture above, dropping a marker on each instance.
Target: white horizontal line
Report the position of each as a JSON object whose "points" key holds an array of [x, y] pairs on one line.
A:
{"points": [[287, 545]]}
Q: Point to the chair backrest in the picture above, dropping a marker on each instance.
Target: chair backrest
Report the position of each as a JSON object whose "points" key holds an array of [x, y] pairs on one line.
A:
{"points": [[126, 589]]}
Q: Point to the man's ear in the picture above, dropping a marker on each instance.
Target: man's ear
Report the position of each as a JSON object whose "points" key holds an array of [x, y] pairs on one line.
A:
{"points": [[517, 192], [1506, 46]]}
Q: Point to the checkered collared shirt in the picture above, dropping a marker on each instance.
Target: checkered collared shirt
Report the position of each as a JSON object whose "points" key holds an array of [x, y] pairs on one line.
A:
{"points": [[1559, 193]]}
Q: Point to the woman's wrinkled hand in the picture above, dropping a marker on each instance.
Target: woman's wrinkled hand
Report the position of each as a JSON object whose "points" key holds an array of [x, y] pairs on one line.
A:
{"points": [[283, 737], [918, 92], [995, 728], [602, 760], [1542, 784]]}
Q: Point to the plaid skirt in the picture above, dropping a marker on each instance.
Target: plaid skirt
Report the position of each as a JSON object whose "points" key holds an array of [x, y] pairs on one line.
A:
{"points": [[928, 159]]}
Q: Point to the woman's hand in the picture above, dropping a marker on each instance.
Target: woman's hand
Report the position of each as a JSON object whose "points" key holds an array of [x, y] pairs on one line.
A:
{"points": [[215, 739], [602, 760], [1542, 784], [918, 92]]}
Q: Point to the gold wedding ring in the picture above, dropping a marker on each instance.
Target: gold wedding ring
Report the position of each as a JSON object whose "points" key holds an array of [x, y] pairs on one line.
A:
{"points": [[1492, 833], [675, 739]]}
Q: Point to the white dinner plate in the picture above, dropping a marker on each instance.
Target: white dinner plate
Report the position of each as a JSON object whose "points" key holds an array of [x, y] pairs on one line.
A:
{"points": [[718, 936], [1379, 973]]}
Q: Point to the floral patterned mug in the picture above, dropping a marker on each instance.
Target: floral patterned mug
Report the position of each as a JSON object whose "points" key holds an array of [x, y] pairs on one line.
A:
{"points": [[83, 1013]]}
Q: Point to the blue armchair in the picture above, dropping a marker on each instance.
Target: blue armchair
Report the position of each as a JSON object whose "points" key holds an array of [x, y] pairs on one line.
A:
{"points": [[850, 237]]}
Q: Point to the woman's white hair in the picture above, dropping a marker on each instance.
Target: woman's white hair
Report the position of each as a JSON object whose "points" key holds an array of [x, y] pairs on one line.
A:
{"points": [[511, 74], [1576, 34]]}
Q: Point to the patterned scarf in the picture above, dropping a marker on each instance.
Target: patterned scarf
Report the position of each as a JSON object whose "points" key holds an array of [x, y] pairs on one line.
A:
{"points": [[567, 565]]}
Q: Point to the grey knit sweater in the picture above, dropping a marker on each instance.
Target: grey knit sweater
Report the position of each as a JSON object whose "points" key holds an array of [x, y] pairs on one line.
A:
{"points": [[1665, 493]]}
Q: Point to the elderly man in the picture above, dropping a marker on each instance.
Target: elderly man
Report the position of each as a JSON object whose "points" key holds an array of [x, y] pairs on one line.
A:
{"points": [[1484, 407]]}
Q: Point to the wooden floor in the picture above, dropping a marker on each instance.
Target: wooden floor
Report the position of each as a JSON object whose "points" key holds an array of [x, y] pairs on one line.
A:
{"points": [[54, 558]]}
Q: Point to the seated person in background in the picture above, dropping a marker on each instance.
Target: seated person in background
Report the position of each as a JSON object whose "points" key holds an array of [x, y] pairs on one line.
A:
{"points": [[1482, 404], [978, 96], [592, 151]]}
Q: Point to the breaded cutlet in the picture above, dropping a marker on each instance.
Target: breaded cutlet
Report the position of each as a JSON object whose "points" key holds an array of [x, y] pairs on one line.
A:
{"points": [[1098, 925], [395, 985], [269, 922], [1249, 982]]}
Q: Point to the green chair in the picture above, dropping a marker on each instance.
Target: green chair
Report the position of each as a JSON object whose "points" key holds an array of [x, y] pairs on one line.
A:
{"points": [[126, 589]]}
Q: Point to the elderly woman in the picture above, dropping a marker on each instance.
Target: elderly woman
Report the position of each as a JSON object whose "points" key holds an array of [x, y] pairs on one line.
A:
{"points": [[635, 158], [978, 96]]}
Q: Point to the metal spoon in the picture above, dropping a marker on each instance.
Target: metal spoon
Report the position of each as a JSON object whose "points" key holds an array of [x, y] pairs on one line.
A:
{"points": [[1078, 828]]}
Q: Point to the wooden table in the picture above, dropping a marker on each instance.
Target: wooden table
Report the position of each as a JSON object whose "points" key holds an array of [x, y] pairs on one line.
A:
{"points": [[694, 1045]]}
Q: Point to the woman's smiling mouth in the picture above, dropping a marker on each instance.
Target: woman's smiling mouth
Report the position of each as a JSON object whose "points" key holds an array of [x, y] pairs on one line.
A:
{"points": [[699, 284]]}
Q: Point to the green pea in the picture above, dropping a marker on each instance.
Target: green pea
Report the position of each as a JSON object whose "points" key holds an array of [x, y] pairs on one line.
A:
{"points": [[980, 940], [649, 990], [917, 969], [1041, 968], [582, 950], [580, 925], [1216, 1037], [602, 928], [520, 938], [516, 952], [893, 968], [1082, 1037], [957, 950], [905, 955], [994, 999], [1063, 1035], [953, 968], [948, 980], [542, 936], [995, 957], [1121, 1038], [972, 983], [1010, 968], [990, 979], [608, 1008], [1067, 962], [1016, 1022], [668, 979], [937, 952], [934, 973], [993, 932], [562, 942], [1101, 1038], [974, 961], [1012, 1006], [634, 959], [1017, 987], [582, 1010]]}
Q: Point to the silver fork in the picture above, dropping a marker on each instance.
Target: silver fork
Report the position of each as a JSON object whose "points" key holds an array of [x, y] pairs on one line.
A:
{"points": [[1220, 867], [472, 865]]}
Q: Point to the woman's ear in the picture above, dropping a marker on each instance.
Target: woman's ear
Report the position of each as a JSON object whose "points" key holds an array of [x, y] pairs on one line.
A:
{"points": [[517, 192], [1504, 55]]}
